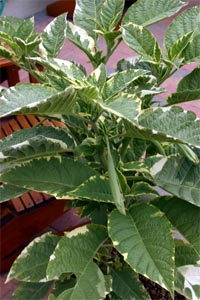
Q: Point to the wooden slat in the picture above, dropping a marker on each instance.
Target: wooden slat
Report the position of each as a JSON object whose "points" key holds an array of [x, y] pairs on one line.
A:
{"points": [[14, 125], [46, 196], [22, 121], [58, 124], [2, 134], [48, 123], [27, 201], [17, 122], [37, 197], [32, 119], [17, 204], [7, 129]]}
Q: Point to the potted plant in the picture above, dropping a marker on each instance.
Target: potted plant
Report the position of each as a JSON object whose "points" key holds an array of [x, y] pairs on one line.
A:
{"points": [[118, 147]]}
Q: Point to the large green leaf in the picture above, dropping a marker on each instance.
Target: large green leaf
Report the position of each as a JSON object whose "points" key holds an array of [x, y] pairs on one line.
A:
{"points": [[64, 69], [190, 81], [126, 285], [184, 23], [79, 36], [9, 191], [187, 281], [188, 88], [31, 291], [176, 50], [111, 13], [31, 264], [172, 122], [184, 96], [192, 52], [27, 98], [55, 175], [28, 144], [123, 104], [23, 135], [163, 124], [185, 254], [53, 36], [149, 12], [74, 253], [179, 176], [144, 246], [119, 81], [96, 188], [140, 39], [183, 216], [86, 13]]}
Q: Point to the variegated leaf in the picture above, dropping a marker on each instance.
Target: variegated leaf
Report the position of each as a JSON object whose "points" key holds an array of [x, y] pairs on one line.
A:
{"points": [[96, 188], [146, 13], [29, 269], [146, 248], [53, 36], [186, 22], [192, 52], [120, 81], [27, 144], [59, 172], [66, 70], [179, 176], [67, 257], [36, 99], [140, 39], [86, 13], [79, 36], [111, 13]]}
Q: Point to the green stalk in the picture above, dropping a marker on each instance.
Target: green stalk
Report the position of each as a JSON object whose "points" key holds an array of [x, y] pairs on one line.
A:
{"points": [[114, 182]]}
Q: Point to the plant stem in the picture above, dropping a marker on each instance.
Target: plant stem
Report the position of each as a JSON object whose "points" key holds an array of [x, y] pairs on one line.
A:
{"points": [[110, 50], [125, 144]]}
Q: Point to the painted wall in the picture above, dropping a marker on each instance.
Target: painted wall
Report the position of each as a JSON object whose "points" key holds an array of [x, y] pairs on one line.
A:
{"points": [[24, 8]]}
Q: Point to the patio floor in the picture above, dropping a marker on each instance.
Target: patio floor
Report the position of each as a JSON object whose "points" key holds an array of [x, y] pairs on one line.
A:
{"points": [[70, 52]]}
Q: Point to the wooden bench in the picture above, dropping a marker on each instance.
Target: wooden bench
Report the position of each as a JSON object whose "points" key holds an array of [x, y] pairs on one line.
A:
{"points": [[30, 215], [26, 216]]}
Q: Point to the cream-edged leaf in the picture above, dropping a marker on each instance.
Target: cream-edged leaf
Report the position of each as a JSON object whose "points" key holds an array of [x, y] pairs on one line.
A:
{"points": [[53, 36], [59, 172], [146, 248], [146, 13], [26, 98]]}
